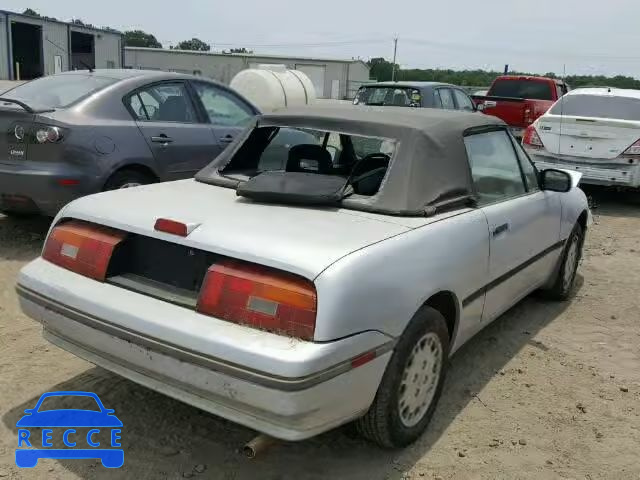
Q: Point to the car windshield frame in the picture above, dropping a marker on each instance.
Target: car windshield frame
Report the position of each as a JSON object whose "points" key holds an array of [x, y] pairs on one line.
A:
{"points": [[64, 81], [565, 106]]}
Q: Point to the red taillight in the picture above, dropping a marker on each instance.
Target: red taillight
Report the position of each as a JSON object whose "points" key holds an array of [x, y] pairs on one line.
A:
{"points": [[259, 297], [171, 226], [527, 116], [82, 247], [633, 149], [68, 182], [531, 137]]}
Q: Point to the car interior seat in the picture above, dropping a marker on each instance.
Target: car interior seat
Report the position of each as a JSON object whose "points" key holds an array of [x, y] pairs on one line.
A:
{"points": [[173, 109], [399, 99], [309, 158]]}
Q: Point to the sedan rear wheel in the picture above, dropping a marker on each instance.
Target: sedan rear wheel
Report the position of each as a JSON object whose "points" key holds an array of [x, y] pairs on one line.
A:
{"points": [[411, 385], [127, 179]]}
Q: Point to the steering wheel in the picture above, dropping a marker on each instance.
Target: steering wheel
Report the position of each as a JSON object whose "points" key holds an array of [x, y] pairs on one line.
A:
{"points": [[369, 166], [366, 165]]}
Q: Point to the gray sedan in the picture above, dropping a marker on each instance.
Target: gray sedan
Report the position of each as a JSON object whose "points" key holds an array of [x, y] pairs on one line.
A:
{"points": [[82, 132], [415, 94]]}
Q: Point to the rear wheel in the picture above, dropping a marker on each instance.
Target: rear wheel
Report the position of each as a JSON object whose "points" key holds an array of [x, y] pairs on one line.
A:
{"points": [[411, 385], [128, 178]]}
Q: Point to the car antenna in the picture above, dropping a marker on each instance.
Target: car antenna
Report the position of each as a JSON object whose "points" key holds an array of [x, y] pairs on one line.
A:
{"points": [[87, 66], [65, 51]]}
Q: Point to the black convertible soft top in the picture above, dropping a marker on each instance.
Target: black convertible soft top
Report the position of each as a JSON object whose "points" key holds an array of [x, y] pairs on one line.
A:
{"points": [[430, 166]]}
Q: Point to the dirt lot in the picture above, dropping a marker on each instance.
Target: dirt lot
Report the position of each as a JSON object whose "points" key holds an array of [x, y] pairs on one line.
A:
{"points": [[548, 391]]}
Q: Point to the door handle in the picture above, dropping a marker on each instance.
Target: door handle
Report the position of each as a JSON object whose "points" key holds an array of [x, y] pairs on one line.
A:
{"points": [[161, 139], [227, 139], [500, 229]]}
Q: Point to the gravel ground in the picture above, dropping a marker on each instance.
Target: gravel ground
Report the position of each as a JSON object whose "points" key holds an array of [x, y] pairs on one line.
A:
{"points": [[550, 390]]}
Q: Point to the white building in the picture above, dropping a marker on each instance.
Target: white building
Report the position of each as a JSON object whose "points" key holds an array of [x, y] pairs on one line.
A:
{"points": [[332, 78], [31, 47]]}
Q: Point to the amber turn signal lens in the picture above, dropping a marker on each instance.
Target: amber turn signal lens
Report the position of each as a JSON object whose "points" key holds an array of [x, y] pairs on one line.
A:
{"points": [[82, 247], [260, 297]]}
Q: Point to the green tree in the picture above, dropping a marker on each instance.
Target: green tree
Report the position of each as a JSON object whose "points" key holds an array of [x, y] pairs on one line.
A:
{"points": [[238, 50], [193, 44], [138, 38], [31, 12], [78, 21], [381, 69]]}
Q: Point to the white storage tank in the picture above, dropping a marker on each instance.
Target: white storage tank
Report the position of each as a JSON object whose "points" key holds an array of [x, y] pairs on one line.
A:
{"points": [[271, 87]]}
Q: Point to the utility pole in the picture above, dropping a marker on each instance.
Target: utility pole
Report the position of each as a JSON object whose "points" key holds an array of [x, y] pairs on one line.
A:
{"points": [[395, 51]]}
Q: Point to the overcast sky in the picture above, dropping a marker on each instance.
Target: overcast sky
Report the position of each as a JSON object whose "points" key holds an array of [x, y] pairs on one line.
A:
{"points": [[588, 37]]}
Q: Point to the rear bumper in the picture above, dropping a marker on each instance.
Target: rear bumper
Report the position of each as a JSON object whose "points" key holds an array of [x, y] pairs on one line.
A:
{"points": [[291, 407], [597, 172], [34, 190]]}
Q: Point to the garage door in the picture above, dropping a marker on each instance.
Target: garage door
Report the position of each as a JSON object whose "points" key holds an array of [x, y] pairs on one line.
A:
{"points": [[316, 74]]}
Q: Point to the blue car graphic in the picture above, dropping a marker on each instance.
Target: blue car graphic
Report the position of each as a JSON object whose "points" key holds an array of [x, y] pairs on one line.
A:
{"points": [[69, 418]]}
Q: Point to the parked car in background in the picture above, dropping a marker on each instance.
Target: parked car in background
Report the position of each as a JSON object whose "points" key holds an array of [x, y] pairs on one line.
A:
{"points": [[595, 131], [295, 294], [415, 94], [520, 100], [82, 132]]}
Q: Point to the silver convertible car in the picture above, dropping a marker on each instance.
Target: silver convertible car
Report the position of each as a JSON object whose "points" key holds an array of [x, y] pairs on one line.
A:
{"points": [[327, 284]]}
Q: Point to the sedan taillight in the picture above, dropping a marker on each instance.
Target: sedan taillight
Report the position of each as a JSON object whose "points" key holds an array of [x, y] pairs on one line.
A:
{"points": [[47, 134], [531, 138], [82, 247], [260, 297]]}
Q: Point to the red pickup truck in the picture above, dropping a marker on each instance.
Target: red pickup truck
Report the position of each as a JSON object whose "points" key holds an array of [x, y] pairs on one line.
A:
{"points": [[520, 100]]}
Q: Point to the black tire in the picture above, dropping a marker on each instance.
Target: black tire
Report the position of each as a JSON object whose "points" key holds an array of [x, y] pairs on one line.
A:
{"points": [[127, 176], [563, 288], [382, 424]]}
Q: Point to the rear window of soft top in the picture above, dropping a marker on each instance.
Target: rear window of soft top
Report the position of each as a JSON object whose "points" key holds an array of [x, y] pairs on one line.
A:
{"points": [[361, 161]]}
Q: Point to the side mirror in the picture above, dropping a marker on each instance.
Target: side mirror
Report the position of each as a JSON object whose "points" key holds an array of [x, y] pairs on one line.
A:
{"points": [[480, 107], [555, 180]]}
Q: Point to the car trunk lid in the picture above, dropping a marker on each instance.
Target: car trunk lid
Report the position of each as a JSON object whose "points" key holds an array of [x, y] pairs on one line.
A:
{"points": [[300, 240], [590, 138]]}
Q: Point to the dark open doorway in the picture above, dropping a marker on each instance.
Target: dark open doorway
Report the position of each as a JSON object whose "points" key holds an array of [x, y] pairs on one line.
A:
{"points": [[26, 43], [82, 51]]}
